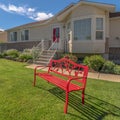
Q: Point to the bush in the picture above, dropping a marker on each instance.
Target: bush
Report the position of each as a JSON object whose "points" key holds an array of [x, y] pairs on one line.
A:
{"points": [[27, 50], [94, 62], [117, 69], [71, 57], [108, 67], [12, 53], [86, 61], [25, 57], [1, 56]]}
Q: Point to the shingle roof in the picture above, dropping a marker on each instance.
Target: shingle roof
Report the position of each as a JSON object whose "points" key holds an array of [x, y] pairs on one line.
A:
{"points": [[30, 24]]}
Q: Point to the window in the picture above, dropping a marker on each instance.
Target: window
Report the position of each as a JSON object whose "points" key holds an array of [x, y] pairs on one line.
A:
{"points": [[13, 36], [99, 28], [25, 35], [82, 29]]}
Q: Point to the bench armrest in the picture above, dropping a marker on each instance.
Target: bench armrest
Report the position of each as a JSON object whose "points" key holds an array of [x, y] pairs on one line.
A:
{"points": [[74, 79]]}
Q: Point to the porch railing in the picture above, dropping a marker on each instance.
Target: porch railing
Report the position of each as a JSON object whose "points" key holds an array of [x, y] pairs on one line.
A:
{"points": [[37, 50], [53, 47], [42, 46]]}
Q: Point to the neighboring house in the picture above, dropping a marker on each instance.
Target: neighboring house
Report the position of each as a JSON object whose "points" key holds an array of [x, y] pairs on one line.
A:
{"points": [[81, 28], [3, 36], [114, 41], [3, 40]]}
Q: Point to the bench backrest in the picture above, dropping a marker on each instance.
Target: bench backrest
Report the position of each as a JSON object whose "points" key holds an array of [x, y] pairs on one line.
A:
{"points": [[68, 68]]}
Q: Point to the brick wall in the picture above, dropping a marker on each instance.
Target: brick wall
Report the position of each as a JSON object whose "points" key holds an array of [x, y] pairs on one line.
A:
{"points": [[18, 45], [22, 45]]}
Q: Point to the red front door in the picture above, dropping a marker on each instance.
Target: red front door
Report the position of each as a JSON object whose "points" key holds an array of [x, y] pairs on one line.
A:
{"points": [[56, 34]]}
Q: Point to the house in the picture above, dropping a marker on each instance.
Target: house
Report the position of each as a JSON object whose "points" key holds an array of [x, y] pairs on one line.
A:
{"points": [[3, 36], [114, 40], [81, 28]]}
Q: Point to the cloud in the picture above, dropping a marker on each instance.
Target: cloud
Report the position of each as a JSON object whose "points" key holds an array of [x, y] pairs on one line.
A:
{"points": [[42, 15], [3, 7], [1, 29], [31, 13]]}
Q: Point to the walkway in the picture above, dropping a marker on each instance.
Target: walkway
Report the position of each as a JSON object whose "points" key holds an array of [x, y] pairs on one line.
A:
{"points": [[95, 75], [103, 76]]}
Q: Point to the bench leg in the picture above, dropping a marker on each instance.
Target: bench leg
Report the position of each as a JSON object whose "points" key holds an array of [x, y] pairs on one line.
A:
{"points": [[34, 80], [83, 96], [66, 102]]}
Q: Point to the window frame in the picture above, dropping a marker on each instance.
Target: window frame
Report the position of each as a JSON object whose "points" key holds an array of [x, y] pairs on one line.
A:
{"points": [[82, 19], [14, 36], [23, 35], [93, 27], [102, 30]]}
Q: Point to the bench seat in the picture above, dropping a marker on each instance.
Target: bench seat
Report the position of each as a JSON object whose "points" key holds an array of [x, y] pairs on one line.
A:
{"points": [[59, 82]]}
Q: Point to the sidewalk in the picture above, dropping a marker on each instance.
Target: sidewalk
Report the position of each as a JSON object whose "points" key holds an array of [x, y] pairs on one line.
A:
{"points": [[95, 75], [103, 76]]}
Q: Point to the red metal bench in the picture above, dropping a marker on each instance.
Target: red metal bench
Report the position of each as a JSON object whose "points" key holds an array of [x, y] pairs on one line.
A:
{"points": [[68, 69]]}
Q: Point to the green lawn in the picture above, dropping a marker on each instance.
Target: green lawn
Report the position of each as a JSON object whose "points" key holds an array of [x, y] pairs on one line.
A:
{"points": [[19, 100]]}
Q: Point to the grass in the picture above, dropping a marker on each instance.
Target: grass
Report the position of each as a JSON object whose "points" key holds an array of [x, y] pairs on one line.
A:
{"points": [[19, 100]]}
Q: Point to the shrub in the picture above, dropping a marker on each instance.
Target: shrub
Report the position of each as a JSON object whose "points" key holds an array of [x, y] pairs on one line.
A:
{"points": [[95, 62], [108, 67], [71, 56], [117, 69], [25, 57], [27, 50], [12, 53], [35, 52], [4, 54], [86, 61], [1, 56]]}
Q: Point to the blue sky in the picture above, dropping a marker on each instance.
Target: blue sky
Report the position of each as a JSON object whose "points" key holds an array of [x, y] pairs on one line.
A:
{"points": [[17, 12]]}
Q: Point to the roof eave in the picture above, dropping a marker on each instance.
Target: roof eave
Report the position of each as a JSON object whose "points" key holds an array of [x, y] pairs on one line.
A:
{"points": [[29, 25], [106, 7]]}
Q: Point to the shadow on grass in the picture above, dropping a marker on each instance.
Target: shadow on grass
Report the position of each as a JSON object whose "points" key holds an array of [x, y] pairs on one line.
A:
{"points": [[93, 109]]}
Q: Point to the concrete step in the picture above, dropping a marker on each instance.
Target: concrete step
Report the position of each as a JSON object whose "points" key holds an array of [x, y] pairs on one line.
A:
{"points": [[47, 54], [42, 59], [45, 57], [41, 62], [48, 51]]}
